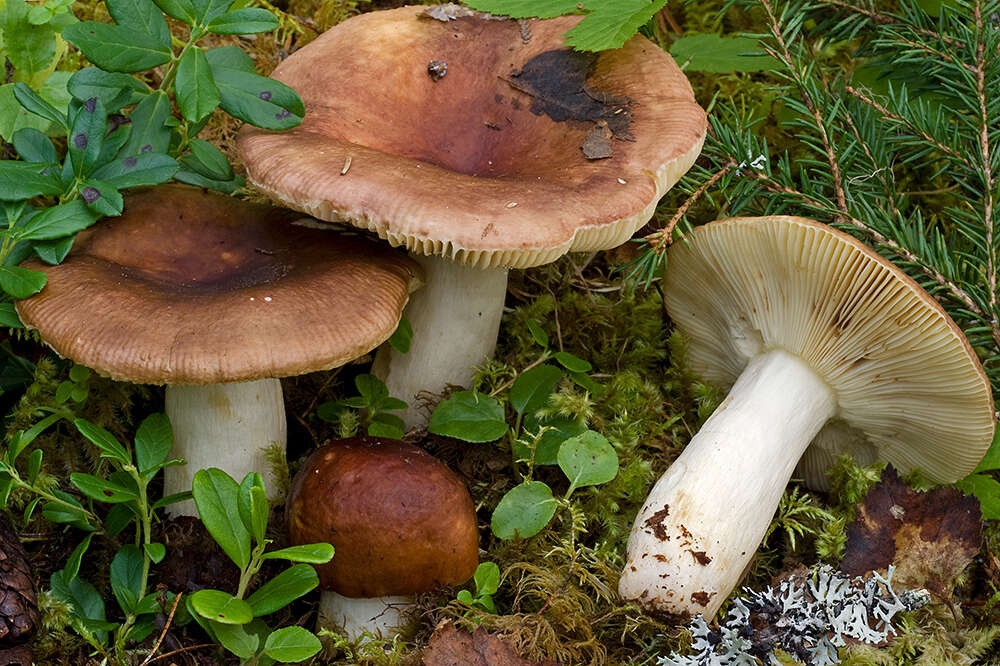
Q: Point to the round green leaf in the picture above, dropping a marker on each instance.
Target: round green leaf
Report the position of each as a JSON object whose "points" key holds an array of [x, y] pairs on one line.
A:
{"points": [[531, 390], [291, 644], [523, 511], [588, 459], [221, 607], [469, 416]]}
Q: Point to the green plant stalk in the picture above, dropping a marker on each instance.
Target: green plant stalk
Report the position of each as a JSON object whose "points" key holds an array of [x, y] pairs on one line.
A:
{"points": [[143, 534]]}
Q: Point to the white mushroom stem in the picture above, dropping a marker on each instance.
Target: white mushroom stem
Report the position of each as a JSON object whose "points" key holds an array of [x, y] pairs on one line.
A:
{"points": [[378, 616], [229, 426], [455, 320], [705, 518]]}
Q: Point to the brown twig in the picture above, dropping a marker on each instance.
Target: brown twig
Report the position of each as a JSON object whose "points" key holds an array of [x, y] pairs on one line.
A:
{"points": [[163, 634], [189, 648], [885, 20], [984, 149], [662, 237]]}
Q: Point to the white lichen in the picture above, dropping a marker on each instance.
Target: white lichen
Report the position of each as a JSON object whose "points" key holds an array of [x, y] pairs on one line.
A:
{"points": [[809, 617]]}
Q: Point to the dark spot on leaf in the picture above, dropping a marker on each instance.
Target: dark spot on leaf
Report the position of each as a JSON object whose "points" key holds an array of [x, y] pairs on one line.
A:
{"points": [[90, 194], [284, 113], [130, 162], [108, 493], [90, 105], [80, 140], [265, 95], [147, 148], [116, 120]]}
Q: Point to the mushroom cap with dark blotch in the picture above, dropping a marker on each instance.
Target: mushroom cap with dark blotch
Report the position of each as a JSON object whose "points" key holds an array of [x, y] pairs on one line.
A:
{"points": [[193, 287], [400, 521], [471, 167], [901, 370]]}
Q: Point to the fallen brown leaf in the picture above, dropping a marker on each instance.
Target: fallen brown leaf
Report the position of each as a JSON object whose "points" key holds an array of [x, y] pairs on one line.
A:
{"points": [[929, 536], [451, 646]]}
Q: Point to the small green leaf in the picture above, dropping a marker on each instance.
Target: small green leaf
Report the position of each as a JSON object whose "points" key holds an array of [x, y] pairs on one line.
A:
{"points": [[216, 496], [26, 437], [487, 578], [291, 644], [721, 54], [537, 333], [286, 587], [221, 607], [24, 180], [155, 551], [53, 251], [103, 440], [118, 518], [243, 22], [79, 373], [33, 103], [34, 466], [245, 504], [114, 89], [610, 25], [402, 337], [193, 177], [101, 489], [21, 282], [182, 10], [991, 460], [558, 430], [72, 567], [571, 362], [371, 388], [197, 94], [146, 169], [524, 511], [34, 146], [126, 576], [387, 430], [150, 132], [526, 8], [987, 490], [469, 416], [588, 460], [153, 441], [101, 198], [258, 100], [532, 388], [208, 160], [207, 10], [58, 221], [116, 48], [86, 135], [238, 639], [310, 553], [143, 18], [8, 316], [230, 57]]}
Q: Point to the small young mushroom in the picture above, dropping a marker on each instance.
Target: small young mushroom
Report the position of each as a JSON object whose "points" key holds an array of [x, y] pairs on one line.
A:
{"points": [[401, 523], [479, 171], [217, 298], [809, 327]]}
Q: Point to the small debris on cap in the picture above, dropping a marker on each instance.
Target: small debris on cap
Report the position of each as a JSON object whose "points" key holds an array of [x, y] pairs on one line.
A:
{"points": [[437, 69]]}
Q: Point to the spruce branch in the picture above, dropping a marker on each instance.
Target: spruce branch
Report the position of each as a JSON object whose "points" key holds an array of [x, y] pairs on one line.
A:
{"points": [[909, 166]]}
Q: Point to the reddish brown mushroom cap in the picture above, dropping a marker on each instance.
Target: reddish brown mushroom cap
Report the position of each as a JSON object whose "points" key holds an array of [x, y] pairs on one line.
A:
{"points": [[471, 166], [401, 522], [191, 287]]}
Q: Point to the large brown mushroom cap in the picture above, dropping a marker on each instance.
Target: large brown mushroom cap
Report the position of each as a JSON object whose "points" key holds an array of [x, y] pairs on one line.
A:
{"points": [[191, 287], [903, 373], [474, 166], [401, 523]]}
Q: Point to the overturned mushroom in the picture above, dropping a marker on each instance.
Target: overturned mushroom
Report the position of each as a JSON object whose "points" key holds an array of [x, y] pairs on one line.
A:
{"points": [[809, 327], [478, 171], [218, 298]]}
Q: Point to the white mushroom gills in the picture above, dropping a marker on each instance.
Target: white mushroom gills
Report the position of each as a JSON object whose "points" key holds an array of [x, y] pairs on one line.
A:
{"points": [[229, 426], [810, 328], [455, 320], [705, 517]]}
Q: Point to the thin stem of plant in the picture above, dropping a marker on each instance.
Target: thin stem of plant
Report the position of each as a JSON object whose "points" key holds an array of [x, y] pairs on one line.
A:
{"points": [[163, 634], [984, 148], [661, 238]]}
